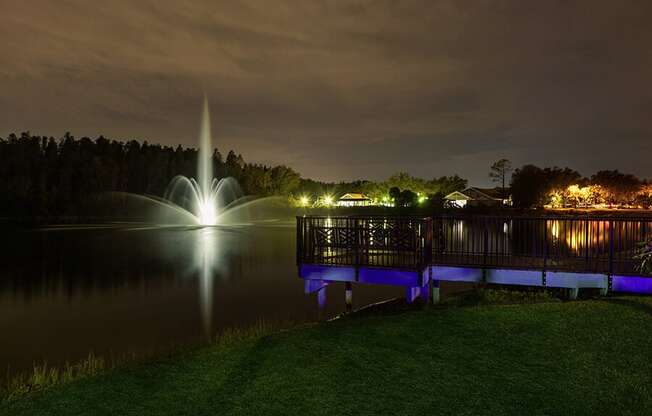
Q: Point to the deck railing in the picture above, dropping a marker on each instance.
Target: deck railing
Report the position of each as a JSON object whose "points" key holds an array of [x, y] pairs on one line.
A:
{"points": [[401, 242], [575, 244]]}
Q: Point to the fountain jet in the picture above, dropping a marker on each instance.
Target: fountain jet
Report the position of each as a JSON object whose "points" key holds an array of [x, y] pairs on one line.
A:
{"points": [[205, 198]]}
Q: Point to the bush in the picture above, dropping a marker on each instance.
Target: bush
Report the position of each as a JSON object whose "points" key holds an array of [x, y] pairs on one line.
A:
{"points": [[644, 255]]}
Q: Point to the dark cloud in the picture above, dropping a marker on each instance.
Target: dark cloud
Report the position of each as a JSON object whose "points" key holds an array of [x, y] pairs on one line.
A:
{"points": [[344, 89]]}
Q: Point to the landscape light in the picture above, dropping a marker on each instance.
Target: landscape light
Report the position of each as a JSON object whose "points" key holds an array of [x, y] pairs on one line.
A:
{"points": [[422, 199], [328, 200], [304, 201]]}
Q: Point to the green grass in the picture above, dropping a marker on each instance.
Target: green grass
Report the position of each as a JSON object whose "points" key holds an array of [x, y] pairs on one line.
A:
{"points": [[44, 376], [587, 357]]}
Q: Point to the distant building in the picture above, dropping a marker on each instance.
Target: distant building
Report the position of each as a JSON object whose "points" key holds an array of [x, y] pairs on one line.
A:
{"points": [[353, 200], [478, 197]]}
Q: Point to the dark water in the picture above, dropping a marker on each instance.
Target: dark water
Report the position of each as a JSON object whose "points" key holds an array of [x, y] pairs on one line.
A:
{"points": [[118, 289]]}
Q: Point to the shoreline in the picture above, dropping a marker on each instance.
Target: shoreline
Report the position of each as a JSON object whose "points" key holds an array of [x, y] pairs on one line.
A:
{"points": [[23, 388], [352, 211], [479, 358]]}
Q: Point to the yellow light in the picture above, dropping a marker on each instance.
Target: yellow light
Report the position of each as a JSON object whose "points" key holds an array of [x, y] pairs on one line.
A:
{"points": [[555, 229], [422, 199], [304, 201], [328, 200]]}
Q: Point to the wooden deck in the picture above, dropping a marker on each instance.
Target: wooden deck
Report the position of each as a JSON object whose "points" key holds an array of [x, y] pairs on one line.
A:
{"points": [[546, 251], [576, 244]]}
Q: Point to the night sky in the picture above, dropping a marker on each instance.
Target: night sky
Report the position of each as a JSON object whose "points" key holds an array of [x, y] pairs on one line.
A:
{"points": [[342, 90]]}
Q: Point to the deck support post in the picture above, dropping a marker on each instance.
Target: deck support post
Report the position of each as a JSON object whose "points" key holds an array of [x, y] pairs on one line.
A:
{"points": [[604, 291], [321, 298], [348, 296], [424, 292], [573, 292], [312, 286], [411, 293], [434, 291], [321, 304]]}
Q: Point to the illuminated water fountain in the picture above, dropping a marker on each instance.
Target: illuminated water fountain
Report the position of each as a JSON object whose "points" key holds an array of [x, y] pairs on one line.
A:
{"points": [[205, 198]]}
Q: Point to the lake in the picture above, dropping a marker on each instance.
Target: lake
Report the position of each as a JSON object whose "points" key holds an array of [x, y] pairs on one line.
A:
{"points": [[117, 289]]}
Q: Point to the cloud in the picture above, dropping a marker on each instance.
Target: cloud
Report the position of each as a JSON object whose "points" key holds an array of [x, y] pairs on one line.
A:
{"points": [[341, 89]]}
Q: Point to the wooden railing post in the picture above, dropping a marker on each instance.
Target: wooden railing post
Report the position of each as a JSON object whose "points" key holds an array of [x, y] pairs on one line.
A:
{"points": [[300, 237], [428, 247], [309, 232], [423, 240], [419, 244], [586, 245], [357, 231], [441, 236], [545, 245], [611, 248], [485, 242]]}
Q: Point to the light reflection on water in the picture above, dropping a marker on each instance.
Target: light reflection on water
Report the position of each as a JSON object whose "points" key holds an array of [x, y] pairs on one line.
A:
{"points": [[117, 289], [207, 252], [594, 236], [561, 237]]}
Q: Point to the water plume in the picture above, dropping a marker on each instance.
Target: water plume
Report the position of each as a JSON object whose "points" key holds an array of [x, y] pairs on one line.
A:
{"points": [[205, 198]]}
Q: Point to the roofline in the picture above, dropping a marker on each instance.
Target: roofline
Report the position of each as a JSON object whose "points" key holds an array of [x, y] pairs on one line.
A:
{"points": [[483, 193], [458, 192], [476, 190]]}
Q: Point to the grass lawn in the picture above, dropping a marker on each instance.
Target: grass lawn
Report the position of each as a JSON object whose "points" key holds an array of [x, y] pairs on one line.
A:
{"points": [[586, 357]]}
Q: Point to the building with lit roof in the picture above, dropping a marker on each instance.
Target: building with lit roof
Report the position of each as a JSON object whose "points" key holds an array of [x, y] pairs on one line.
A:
{"points": [[478, 197], [354, 200]]}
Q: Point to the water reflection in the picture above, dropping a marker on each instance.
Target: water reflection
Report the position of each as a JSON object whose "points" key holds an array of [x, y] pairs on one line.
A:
{"points": [[594, 236], [135, 288], [207, 249], [552, 237]]}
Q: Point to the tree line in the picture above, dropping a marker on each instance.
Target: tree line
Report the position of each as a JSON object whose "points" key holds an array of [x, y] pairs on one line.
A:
{"points": [[532, 186], [44, 176], [401, 188]]}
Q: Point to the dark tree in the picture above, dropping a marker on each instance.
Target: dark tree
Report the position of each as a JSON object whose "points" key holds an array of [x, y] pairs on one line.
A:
{"points": [[444, 185], [557, 178], [499, 171], [407, 199], [532, 185], [528, 186], [620, 187], [395, 194]]}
